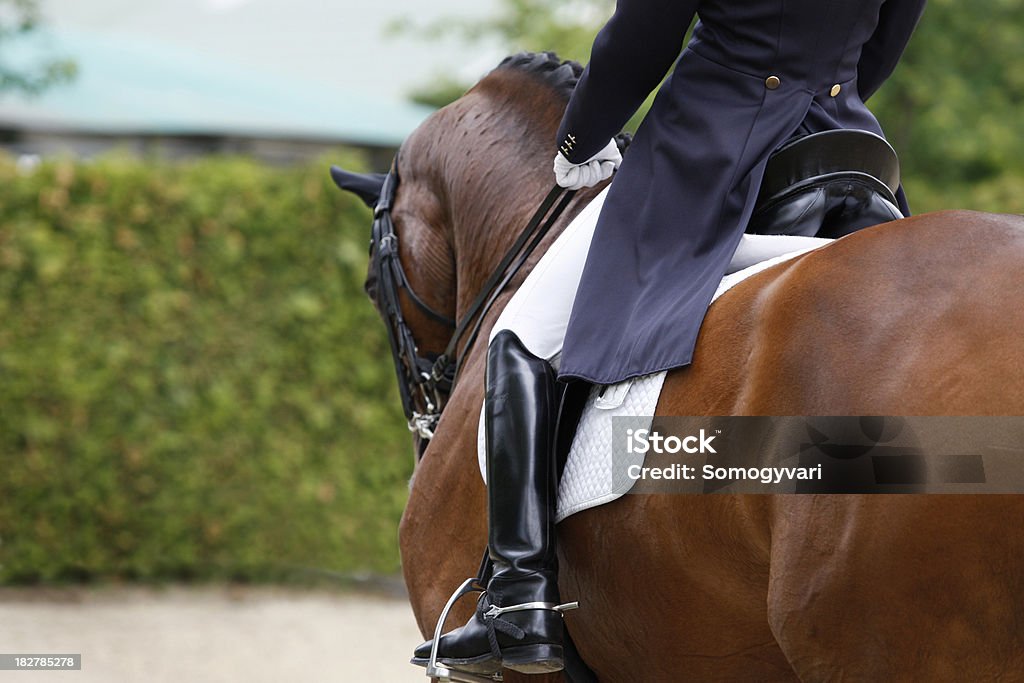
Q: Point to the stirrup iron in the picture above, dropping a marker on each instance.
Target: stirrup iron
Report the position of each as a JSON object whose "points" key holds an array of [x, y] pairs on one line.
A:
{"points": [[442, 673], [446, 675]]}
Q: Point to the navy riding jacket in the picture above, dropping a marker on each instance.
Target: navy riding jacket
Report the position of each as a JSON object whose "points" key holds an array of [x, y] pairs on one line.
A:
{"points": [[755, 74]]}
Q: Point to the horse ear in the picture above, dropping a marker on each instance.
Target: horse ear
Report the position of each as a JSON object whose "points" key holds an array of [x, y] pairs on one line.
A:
{"points": [[366, 186]]}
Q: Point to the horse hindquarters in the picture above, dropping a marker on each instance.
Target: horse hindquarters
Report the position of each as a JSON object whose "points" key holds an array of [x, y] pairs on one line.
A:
{"points": [[898, 588], [917, 317]]}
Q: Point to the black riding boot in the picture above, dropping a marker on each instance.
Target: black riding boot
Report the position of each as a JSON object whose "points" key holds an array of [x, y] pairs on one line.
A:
{"points": [[519, 419]]}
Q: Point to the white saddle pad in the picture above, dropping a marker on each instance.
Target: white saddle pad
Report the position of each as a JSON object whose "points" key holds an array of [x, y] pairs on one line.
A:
{"points": [[587, 479]]}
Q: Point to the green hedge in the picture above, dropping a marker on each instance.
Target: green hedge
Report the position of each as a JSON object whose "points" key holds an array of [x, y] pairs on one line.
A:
{"points": [[192, 383]]}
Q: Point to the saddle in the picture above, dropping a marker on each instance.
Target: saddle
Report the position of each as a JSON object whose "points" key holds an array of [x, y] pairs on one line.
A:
{"points": [[828, 184]]}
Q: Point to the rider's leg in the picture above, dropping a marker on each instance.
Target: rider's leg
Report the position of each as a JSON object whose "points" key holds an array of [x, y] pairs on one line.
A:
{"points": [[539, 310], [518, 418]]}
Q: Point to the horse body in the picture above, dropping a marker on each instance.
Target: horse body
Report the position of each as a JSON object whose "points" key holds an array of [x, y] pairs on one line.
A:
{"points": [[829, 587], [922, 317]]}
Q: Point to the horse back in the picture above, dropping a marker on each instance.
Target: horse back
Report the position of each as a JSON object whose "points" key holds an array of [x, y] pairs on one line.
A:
{"points": [[923, 316]]}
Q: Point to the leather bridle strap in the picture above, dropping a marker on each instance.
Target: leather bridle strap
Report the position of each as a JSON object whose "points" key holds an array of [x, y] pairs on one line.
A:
{"points": [[429, 379], [534, 243], [432, 379], [447, 365], [436, 316], [382, 214]]}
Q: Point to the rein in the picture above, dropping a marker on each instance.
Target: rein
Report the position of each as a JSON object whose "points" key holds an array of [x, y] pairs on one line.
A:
{"points": [[424, 383]]}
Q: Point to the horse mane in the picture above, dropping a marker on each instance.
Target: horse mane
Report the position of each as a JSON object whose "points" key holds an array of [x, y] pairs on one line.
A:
{"points": [[546, 67]]}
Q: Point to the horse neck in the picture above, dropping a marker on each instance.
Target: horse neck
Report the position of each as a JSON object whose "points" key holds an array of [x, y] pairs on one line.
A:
{"points": [[498, 178], [488, 230]]}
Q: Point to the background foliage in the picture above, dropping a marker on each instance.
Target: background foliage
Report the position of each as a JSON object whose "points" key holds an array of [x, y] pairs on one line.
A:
{"points": [[193, 383], [952, 109], [17, 18]]}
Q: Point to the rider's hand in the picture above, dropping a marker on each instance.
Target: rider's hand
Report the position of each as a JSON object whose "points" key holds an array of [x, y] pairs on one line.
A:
{"points": [[592, 171]]}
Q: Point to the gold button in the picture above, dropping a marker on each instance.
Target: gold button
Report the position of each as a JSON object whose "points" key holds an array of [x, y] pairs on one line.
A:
{"points": [[772, 82], [835, 90]]}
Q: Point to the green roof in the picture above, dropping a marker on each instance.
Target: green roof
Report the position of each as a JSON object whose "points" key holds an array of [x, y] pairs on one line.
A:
{"points": [[129, 85]]}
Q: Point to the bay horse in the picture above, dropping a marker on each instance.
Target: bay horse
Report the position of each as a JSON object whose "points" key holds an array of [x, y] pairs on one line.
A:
{"points": [[923, 316]]}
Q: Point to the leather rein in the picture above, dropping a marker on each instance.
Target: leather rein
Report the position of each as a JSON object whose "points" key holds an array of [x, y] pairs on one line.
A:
{"points": [[425, 382]]}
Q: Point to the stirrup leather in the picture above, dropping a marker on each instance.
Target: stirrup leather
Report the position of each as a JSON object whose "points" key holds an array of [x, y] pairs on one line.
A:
{"points": [[445, 674]]}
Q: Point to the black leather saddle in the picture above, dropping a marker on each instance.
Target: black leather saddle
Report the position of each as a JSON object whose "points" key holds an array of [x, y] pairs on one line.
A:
{"points": [[828, 184]]}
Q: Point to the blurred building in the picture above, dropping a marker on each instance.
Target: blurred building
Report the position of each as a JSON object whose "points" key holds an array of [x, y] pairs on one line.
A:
{"points": [[142, 96]]}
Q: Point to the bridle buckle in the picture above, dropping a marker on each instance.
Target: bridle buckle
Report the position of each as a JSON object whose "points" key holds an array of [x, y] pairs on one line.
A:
{"points": [[440, 368], [424, 424]]}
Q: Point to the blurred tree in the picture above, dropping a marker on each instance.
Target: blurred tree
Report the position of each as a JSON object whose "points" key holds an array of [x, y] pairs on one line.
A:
{"points": [[566, 27], [951, 109], [441, 92], [563, 26], [18, 18]]}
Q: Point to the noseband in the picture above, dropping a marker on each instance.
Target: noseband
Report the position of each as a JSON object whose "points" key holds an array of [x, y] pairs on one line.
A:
{"points": [[424, 382]]}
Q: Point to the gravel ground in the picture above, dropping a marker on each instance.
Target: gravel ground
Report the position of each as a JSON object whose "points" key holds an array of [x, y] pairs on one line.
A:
{"points": [[210, 634]]}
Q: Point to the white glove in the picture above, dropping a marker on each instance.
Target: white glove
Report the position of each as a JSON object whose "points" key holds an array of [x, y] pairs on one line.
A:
{"points": [[592, 171]]}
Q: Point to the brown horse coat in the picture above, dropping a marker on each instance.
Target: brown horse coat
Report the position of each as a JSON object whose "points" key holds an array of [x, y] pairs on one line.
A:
{"points": [[919, 317], [811, 587]]}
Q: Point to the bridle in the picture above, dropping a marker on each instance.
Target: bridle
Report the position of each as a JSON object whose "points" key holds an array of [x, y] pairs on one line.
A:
{"points": [[421, 398], [426, 382]]}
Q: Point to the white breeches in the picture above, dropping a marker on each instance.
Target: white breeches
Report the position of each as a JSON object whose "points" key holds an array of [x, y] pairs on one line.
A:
{"points": [[538, 312]]}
